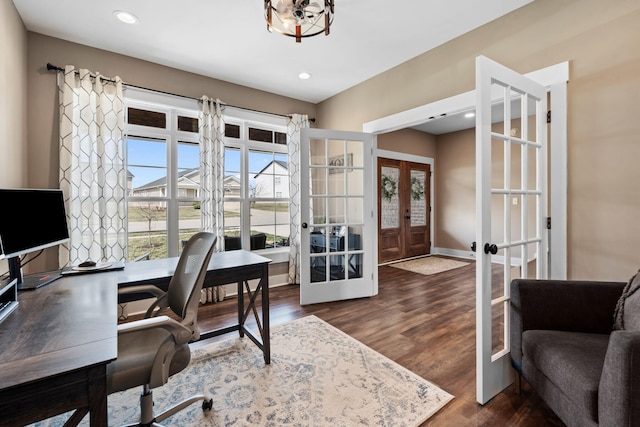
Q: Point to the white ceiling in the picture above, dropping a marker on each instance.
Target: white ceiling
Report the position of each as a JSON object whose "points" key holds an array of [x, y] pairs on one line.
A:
{"points": [[228, 40]]}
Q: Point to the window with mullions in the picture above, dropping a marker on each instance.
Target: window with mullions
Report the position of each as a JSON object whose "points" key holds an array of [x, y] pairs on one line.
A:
{"points": [[256, 187], [163, 200]]}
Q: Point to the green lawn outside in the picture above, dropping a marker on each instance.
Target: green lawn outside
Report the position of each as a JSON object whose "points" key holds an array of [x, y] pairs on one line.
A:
{"points": [[139, 242], [280, 207]]}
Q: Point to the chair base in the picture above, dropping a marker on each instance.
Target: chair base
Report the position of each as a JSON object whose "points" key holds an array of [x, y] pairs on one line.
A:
{"points": [[149, 419]]}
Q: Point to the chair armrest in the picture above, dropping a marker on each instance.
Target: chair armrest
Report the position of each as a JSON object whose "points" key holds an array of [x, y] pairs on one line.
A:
{"points": [[560, 305], [181, 334], [138, 292], [619, 392], [147, 289]]}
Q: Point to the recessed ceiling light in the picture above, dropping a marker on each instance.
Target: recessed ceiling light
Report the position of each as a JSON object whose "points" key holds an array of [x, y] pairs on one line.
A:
{"points": [[304, 76], [125, 17], [469, 115]]}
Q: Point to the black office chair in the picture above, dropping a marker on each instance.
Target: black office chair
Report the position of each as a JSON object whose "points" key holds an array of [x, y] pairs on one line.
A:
{"points": [[154, 348]]}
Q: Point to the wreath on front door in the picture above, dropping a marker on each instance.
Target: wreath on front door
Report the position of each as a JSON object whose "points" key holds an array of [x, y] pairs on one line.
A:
{"points": [[389, 188], [417, 189]]}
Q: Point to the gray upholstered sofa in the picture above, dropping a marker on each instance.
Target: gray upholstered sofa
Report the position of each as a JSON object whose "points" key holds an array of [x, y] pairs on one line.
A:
{"points": [[577, 343]]}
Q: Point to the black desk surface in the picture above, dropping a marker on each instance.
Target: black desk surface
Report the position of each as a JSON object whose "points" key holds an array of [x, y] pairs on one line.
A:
{"points": [[54, 349], [160, 270], [60, 327]]}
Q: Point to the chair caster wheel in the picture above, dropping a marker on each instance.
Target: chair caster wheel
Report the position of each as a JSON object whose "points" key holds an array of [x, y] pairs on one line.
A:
{"points": [[207, 405]]}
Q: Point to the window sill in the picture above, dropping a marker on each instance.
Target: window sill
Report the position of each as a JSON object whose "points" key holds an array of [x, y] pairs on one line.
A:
{"points": [[276, 256]]}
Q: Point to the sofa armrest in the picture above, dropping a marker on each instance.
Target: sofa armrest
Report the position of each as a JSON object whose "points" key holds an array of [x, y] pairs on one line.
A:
{"points": [[560, 305], [619, 391]]}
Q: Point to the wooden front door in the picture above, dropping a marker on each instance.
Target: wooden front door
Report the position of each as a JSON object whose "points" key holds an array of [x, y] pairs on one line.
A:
{"points": [[404, 227]]}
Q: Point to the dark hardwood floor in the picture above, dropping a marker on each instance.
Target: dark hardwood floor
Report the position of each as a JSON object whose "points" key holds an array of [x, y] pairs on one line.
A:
{"points": [[424, 323]]}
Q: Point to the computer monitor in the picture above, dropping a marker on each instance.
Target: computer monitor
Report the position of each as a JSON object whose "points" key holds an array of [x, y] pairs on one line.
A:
{"points": [[30, 220]]}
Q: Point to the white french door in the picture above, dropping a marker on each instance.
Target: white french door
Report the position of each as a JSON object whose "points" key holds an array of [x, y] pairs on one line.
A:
{"points": [[511, 209], [338, 235]]}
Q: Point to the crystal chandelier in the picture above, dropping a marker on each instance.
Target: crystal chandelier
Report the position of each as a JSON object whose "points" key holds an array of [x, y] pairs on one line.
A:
{"points": [[299, 18]]}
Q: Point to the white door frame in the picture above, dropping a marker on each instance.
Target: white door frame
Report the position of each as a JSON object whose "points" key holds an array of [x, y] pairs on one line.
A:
{"points": [[555, 79]]}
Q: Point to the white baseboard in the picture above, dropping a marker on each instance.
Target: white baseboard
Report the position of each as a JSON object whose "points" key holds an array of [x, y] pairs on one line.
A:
{"points": [[454, 253], [515, 261]]}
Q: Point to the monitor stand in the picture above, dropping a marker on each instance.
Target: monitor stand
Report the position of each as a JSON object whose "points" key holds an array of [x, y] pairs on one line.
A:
{"points": [[30, 281], [37, 280]]}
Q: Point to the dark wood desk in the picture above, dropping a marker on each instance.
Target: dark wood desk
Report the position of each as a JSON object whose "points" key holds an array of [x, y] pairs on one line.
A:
{"points": [[54, 349], [224, 268]]}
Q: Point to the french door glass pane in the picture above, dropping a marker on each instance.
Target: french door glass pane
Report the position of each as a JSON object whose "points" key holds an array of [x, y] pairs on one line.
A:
{"points": [[336, 199], [318, 152], [355, 206]]}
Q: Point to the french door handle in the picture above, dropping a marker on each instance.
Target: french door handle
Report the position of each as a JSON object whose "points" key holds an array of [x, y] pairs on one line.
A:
{"points": [[473, 246], [490, 248], [407, 217], [304, 225]]}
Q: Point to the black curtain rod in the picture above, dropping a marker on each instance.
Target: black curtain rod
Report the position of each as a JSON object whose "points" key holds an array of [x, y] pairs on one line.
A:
{"points": [[51, 67]]}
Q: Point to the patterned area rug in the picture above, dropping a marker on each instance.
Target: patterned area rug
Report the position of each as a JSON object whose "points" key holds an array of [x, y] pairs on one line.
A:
{"points": [[319, 376], [429, 265]]}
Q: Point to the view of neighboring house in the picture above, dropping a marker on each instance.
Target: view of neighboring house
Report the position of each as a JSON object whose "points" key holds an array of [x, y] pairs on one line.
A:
{"points": [[231, 186], [272, 180], [130, 177], [188, 186]]}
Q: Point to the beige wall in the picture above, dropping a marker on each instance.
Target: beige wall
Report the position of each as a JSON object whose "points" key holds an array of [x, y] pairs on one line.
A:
{"points": [[13, 100], [602, 44], [409, 141], [13, 97], [455, 190]]}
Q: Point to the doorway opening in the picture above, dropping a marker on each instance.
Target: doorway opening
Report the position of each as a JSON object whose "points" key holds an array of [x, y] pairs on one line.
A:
{"points": [[442, 112], [497, 84]]}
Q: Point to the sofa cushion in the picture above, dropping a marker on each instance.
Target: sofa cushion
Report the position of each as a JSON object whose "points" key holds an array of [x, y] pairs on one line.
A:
{"points": [[627, 313], [572, 361]]}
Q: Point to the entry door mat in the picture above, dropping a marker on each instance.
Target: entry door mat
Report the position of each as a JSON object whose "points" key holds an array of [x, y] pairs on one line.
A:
{"points": [[429, 265]]}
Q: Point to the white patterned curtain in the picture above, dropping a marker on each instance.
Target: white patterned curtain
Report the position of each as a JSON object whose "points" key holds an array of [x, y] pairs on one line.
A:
{"points": [[212, 180], [92, 168], [296, 123]]}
